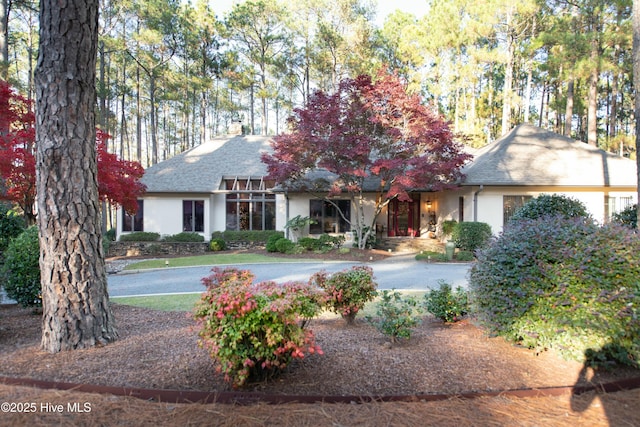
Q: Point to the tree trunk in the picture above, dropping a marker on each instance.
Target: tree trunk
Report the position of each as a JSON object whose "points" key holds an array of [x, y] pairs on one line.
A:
{"points": [[4, 39], [568, 115], [636, 85], [76, 311]]}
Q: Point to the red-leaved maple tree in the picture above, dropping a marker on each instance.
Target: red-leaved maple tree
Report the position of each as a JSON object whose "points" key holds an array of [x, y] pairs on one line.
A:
{"points": [[368, 137], [118, 180]]}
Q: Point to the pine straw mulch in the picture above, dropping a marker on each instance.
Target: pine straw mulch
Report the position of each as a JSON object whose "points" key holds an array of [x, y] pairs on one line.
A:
{"points": [[158, 350]]}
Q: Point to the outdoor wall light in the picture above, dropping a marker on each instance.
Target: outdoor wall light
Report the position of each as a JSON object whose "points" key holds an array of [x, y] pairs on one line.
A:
{"points": [[428, 204]]}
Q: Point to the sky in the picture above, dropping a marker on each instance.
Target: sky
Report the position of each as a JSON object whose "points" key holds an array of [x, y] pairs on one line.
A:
{"points": [[385, 7]]}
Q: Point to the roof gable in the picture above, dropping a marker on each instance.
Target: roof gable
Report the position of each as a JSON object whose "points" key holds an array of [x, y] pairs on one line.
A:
{"points": [[529, 155], [201, 169]]}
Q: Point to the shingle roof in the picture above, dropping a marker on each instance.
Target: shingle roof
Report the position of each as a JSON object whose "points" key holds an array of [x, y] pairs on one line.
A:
{"points": [[200, 169], [529, 155]]}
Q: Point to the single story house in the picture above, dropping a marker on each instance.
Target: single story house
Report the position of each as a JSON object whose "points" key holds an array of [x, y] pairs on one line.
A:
{"points": [[222, 185]]}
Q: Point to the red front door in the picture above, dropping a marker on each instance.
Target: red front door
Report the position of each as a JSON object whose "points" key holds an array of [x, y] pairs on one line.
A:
{"points": [[403, 218]]}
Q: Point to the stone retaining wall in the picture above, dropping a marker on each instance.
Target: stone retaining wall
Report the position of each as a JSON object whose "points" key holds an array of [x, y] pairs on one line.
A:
{"points": [[154, 249]]}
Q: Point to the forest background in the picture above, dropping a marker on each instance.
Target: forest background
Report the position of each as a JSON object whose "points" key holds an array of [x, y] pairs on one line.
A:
{"points": [[174, 74]]}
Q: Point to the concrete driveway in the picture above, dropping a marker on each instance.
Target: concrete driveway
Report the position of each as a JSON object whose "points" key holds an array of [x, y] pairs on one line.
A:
{"points": [[399, 272]]}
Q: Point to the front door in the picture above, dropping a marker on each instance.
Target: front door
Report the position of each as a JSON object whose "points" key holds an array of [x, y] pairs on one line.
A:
{"points": [[404, 218]]}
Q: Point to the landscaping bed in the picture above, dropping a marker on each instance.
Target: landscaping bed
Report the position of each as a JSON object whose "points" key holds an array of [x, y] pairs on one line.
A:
{"points": [[159, 350]]}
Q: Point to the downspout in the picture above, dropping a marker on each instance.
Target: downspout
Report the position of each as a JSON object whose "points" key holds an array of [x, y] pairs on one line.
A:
{"points": [[286, 212], [475, 203]]}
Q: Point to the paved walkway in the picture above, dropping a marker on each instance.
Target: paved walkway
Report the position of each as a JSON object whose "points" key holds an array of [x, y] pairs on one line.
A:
{"points": [[399, 272]]}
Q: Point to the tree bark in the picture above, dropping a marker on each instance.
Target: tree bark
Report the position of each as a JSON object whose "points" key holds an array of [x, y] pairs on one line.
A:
{"points": [[636, 85], [76, 311], [4, 39]]}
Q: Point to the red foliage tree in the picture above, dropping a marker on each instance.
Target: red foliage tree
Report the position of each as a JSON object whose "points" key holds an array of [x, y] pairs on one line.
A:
{"points": [[118, 180], [368, 136]]}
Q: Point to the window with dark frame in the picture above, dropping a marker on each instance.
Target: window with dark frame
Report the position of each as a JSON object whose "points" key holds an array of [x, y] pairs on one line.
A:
{"points": [[327, 218], [193, 215], [510, 204], [134, 222], [250, 204]]}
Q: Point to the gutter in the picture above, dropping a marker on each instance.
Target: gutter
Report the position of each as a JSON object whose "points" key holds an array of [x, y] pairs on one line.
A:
{"points": [[475, 203]]}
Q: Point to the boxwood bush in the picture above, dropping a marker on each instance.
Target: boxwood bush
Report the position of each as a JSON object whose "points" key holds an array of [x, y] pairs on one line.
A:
{"points": [[562, 283], [140, 236], [469, 236], [185, 236], [249, 236], [21, 270]]}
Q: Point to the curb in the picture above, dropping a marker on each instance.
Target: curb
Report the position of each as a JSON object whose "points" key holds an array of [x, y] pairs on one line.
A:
{"points": [[240, 398]]}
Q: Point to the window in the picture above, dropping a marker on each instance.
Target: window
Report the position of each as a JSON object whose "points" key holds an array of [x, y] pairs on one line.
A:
{"points": [[251, 205], [327, 217], [510, 204], [134, 222], [193, 215], [613, 205]]}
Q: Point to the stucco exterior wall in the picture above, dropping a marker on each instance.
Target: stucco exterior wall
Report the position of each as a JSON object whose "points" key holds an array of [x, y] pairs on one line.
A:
{"points": [[489, 203]]}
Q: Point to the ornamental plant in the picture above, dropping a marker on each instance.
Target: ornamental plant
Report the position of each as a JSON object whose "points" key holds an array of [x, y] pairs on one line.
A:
{"points": [[445, 304], [347, 291], [563, 283], [253, 331], [396, 315], [547, 205], [21, 269]]}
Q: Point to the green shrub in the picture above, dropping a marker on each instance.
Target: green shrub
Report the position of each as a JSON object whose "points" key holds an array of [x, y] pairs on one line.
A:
{"points": [[246, 236], [253, 331], [347, 290], [465, 256], [628, 217], [445, 304], [310, 244], [332, 242], [562, 283], [110, 235], [21, 270], [285, 246], [431, 256], [11, 225], [547, 205], [217, 245], [396, 315], [185, 236], [470, 236], [140, 236], [271, 242]]}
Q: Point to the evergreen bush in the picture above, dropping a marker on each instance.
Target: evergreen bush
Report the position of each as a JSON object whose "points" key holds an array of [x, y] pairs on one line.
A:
{"points": [[547, 205], [21, 270], [470, 236], [217, 245], [396, 315], [185, 236], [347, 290], [253, 331], [11, 225], [562, 283], [140, 236], [445, 304], [628, 217]]}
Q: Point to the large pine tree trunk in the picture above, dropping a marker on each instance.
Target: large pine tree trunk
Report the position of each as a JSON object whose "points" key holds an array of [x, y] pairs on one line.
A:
{"points": [[76, 311]]}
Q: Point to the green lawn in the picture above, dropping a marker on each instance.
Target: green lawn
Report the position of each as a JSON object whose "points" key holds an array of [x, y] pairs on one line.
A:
{"points": [[209, 259], [186, 302]]}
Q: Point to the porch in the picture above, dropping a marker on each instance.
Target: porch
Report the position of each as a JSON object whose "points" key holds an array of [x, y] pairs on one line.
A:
{"points": [[409, 244]]}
